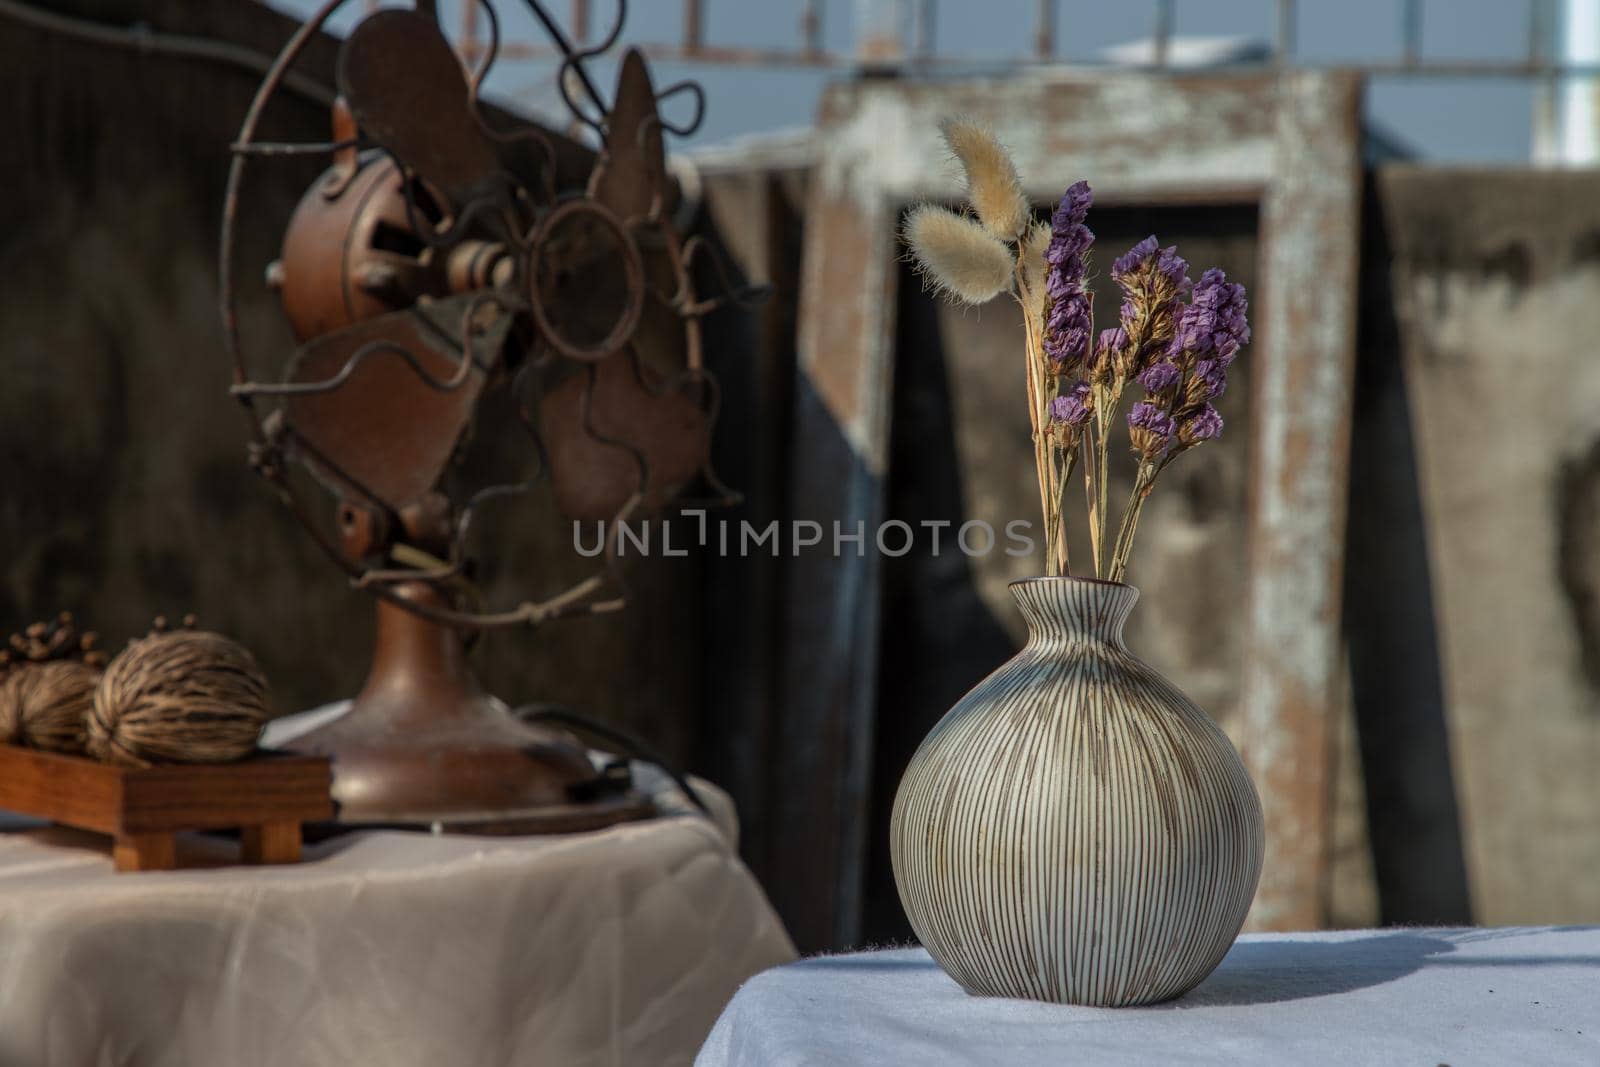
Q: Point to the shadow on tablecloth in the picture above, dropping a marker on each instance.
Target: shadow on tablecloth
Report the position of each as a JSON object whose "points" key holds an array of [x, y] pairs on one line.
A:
{"points": [[1272, 971], [1266, 972]]}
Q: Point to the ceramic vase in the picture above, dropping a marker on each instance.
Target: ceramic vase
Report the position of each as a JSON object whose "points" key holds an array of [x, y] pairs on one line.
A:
{"points": [[1075, 829]]}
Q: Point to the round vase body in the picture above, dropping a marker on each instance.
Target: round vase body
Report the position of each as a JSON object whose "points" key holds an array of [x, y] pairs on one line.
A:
{"points": [[1075, 829]]}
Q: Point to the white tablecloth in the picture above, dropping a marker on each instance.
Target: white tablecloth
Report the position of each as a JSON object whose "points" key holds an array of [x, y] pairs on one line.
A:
{"points": [[606, 948], [1391, 997]]}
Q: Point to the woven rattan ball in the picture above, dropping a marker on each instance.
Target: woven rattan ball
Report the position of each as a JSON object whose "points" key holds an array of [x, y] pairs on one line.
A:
{"points": [[47, 705], [181, 697], [10, 713]]}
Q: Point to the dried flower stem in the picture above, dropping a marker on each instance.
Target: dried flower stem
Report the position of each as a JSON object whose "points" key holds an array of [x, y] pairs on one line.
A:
{"points": [[1061, 526], [1105, 407], [1142, 484], [1040, 389], [1089, 495], [1144, 481]]}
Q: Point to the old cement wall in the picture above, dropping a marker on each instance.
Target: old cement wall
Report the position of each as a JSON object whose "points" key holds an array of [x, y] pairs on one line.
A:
{"points": [[1496, 290]]}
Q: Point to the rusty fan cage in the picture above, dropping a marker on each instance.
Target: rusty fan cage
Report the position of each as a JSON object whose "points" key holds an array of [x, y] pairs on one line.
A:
{"points": [[495, 285]]}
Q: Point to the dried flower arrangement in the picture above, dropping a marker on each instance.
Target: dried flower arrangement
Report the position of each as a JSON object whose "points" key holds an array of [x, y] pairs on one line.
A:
{"points": [[1175, 340]]}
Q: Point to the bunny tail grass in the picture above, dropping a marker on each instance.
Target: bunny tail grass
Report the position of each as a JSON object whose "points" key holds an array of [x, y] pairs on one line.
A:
{"points": [[992, 182], [956, 255]]}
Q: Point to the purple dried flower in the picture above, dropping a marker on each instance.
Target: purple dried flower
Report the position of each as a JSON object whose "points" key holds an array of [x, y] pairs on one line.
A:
{"points": [[1149, 429], [1147, 416], [1135, 257], [1212, 288], [1066, 334], [1204, 425], [1174, 270], [1214, 374], [1073, 208], [1159, 377], [1153, 280], [1109, 351], [1069, 237], [1057, 285], [1215, 324], [1067, 326], [1072, 409], [1147, 260]]}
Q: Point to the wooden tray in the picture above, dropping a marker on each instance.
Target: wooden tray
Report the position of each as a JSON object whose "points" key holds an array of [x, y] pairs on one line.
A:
{"points": [[266, 797]]}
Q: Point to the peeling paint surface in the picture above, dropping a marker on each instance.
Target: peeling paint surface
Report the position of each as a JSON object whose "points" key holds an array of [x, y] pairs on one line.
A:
{"points": [[1304, 379]]}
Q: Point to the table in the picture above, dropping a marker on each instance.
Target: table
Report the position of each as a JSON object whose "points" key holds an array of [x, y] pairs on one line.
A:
{"points": [[614, 947], [1396, 996]]}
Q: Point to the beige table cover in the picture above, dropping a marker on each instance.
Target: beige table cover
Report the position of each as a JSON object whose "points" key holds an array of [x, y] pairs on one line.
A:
{"points": [[386, 948]]}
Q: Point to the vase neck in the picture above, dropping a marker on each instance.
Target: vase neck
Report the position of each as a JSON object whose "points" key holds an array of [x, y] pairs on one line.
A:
{"points": [[1062, 611]]}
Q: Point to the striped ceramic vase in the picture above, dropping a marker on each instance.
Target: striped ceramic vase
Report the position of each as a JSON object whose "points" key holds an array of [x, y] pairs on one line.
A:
{"points": [[1075, 829]]}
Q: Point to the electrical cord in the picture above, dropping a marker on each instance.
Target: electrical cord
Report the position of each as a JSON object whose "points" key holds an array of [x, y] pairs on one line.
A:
{"points": [[631, 745], [142, 39]]}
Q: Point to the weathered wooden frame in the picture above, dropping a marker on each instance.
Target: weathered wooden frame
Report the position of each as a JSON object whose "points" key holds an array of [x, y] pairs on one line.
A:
{"points": [[1290, 143]]}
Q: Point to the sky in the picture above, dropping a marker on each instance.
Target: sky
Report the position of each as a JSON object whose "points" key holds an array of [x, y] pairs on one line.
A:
{"points": [[1485, 120]]}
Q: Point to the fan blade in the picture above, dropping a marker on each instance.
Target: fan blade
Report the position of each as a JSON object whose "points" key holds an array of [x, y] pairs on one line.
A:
{"points": [[627, 402], [407, 90], [631, 176], [384, 429]]}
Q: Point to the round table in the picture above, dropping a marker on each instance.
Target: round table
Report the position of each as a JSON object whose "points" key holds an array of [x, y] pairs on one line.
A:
{"points": [[384, 947]]}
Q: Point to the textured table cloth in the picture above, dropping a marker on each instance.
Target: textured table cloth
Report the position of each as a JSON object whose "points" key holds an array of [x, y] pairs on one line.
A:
{"points": [[1404, 996], [614, 947]]}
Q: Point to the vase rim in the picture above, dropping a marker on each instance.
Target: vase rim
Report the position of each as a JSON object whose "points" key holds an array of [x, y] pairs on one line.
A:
{"points": [[1044, 579]]}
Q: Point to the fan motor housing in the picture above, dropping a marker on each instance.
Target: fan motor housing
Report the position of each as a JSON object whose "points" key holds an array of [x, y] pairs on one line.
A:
{"points": [[351, 253]]}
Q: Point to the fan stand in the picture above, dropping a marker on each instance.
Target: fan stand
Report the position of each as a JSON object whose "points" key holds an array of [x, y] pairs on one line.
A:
{"points": [[424, 744]]}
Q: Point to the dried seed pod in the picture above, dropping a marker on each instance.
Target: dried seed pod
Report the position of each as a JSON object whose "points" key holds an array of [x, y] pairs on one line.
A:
{"points": [[160, 625], [180, 697], [47, 705], [46, 642]]}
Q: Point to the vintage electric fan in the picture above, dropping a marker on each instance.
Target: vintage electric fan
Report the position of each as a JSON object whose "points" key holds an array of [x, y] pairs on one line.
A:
{"points": [[422, 274]]}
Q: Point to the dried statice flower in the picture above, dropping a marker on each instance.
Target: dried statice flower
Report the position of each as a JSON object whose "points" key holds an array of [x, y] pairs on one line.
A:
{"points": [[1211, 330], [1215, 324], [1159, 377], [992, 183], [1069, 236], [1154, 281], [1109, 348], [1069, 413], [1066, 335], [1150, 430], [1113, 338], [1074, 407], [1125, 265], [1206, 382], [1203, 424], [1067, 325], [956, 255]]}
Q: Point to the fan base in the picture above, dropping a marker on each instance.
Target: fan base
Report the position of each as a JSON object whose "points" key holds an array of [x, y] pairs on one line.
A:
{"points": [[424, 745], [482, 773]]}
